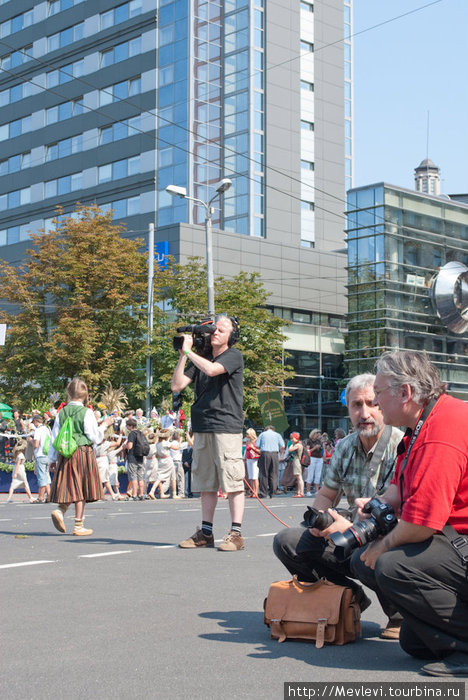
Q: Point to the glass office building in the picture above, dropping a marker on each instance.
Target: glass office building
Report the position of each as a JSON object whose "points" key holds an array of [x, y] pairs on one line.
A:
{"points": [[110, 102], [400, 242]]}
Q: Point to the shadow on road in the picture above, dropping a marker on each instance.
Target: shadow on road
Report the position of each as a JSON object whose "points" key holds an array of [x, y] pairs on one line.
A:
{"points": [[367, 654]]}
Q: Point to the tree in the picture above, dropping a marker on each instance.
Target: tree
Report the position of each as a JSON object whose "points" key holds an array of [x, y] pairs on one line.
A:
{"points": [[244, 296], [76, 306]]}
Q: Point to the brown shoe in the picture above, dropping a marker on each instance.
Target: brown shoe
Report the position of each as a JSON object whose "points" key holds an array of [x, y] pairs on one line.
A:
{"points": [[199, 539], [57, 519], [233, 542], [82, 532], [392, 630]]}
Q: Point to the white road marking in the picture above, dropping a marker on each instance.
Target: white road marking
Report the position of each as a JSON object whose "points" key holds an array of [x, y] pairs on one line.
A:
{"points": [[27, 563], [5, 520], [164, 546], [188, 510], [267, 534], [104, 554]]}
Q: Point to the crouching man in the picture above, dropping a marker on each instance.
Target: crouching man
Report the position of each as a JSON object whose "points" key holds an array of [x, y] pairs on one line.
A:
{"points": [[415, 566], [362, 465]]}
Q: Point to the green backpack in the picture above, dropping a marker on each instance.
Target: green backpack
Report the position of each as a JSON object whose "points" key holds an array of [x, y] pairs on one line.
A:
{"points": [[65, 443]]}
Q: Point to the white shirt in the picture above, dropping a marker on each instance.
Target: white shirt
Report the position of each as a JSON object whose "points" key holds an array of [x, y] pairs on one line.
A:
{"points": [[90, 429], [40, 435]]}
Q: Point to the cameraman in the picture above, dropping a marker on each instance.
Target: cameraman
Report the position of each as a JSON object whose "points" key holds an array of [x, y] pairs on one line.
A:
{"points": [[415, 565], [362, 465], [217, 422]]}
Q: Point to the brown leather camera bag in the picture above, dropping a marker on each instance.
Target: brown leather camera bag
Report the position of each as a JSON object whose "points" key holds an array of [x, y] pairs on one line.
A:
{"points": [[322, 612]]}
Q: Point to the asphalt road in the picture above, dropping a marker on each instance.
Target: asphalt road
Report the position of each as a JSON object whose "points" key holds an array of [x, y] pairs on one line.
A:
{"points": [[126, 614]]}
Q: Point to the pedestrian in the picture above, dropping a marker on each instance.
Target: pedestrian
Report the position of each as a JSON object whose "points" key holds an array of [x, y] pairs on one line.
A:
{"points": [[135, 463], [18, 477], [41, 459], [76, 478], [252, 453], [314, 470], [271, 445], [296, 450]]}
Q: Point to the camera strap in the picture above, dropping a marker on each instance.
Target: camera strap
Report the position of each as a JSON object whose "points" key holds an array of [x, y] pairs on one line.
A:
{"points": [[423, 416]]}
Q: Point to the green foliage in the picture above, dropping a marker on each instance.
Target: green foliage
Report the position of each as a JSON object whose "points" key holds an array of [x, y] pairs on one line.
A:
{"points": [[75, 307], [8, 468], [244, 296]]}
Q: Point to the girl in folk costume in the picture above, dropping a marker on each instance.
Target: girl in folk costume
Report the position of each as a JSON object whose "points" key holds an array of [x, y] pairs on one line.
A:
{"points": [[76, 479]]}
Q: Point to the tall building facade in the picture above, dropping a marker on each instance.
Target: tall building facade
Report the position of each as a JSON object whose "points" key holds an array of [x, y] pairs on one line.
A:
{"points": [[112, 102], [408, 279]]}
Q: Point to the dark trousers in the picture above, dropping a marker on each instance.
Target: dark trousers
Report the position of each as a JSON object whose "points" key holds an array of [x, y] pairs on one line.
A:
{"points": [[428, 584], [312, 558], [268, 464]]}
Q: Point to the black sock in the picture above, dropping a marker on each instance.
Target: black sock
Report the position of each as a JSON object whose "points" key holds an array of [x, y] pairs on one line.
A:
{"points": [[207, 528], [236, 527]]}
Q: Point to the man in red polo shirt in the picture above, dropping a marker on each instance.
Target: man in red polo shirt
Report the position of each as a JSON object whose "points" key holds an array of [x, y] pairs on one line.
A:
{"points": [[415, 565]]}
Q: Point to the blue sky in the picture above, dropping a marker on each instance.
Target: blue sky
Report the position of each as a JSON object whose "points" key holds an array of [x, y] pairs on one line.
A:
{"points": [[402, 70]]}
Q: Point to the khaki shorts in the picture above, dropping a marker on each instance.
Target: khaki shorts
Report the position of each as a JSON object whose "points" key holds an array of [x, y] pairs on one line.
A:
{"points": [[217, 462]]}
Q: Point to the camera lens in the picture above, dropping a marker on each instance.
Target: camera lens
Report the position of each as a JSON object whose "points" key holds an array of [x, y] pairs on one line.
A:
{"points": [[316, 518]]}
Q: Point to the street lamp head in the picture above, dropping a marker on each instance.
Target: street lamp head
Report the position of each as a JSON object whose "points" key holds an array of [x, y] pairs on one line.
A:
{"points": [[223, 185], [177, 191]]}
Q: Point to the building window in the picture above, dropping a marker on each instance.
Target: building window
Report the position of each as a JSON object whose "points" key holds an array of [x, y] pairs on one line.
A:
{"points": [[15, 163], [121, 52], [119, 169], [65, 73], [123, 207], [16, 198], [307, 206], [307, 46], [63, 185], [120, 130], [120, 91], [66, 110], [16, 58], [64, 148], [56, 6], [15, 128], [307, 165], [15, 93], [307, 6], [16, 24], [65, 37], [305, 85], [307, 126], [121, 13]]}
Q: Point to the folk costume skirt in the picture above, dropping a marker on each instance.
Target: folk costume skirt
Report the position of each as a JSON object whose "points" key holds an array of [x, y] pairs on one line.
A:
{"points": [[77, 478]]}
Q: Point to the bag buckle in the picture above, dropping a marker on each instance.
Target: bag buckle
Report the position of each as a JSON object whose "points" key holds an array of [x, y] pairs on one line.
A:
{"points": [[460, 544]]}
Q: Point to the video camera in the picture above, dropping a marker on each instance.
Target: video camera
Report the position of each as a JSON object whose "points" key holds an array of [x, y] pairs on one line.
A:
{"points": [[382, 520], [201, 334]]}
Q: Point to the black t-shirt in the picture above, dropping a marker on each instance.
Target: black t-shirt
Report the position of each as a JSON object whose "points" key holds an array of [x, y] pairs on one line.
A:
{"points": [[131, 457], [218, 406]]}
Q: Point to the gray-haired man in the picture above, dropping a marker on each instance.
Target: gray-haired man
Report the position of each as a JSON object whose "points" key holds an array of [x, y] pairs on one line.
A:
{"points": [[362, 465]]}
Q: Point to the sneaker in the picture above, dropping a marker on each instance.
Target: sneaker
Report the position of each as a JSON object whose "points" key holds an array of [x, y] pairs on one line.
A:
{"points": [[57, 519], [82, 532], [199, 539], [308, 494], [233, 542]]}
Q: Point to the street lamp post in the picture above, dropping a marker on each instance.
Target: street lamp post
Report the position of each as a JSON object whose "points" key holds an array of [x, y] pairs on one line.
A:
{"points": [[181, 192]]}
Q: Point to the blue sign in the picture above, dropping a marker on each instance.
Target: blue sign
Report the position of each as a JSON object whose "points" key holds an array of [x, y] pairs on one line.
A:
{"points": [[161, 253], [343, 397]]}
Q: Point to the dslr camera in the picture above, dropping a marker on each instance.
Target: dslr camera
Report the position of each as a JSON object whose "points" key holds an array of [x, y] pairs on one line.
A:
{"points": [[201, 334], [382, 520]]}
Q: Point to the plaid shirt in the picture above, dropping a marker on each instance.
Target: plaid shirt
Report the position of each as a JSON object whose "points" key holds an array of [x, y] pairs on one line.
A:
{"points": [[348, 469]]}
